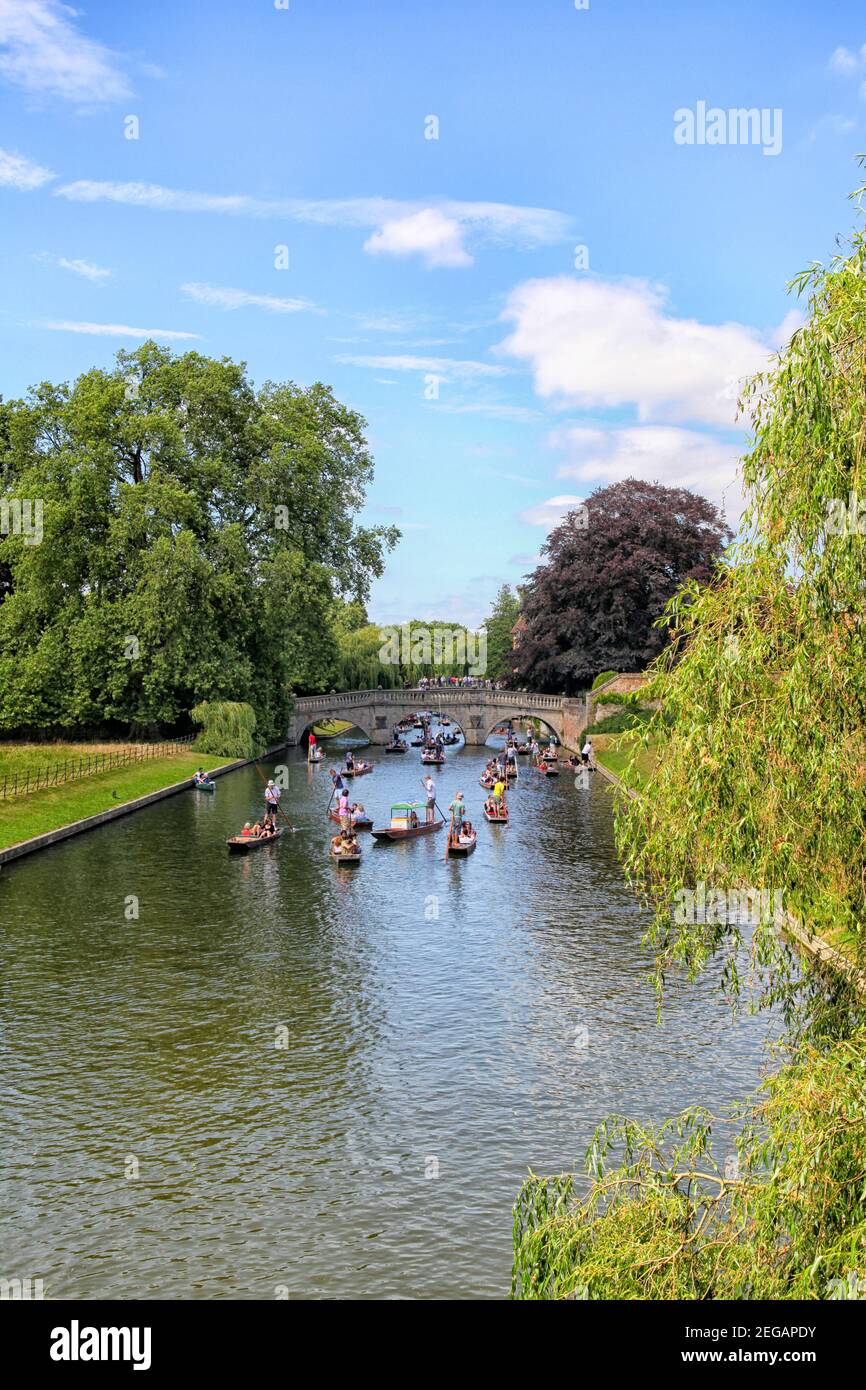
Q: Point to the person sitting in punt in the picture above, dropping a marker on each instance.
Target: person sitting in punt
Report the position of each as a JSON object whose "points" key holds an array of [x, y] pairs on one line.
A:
{"points": [[337, 843], [466, 832], [350, 845], [257, 829], [199, 778], [247, 830]]}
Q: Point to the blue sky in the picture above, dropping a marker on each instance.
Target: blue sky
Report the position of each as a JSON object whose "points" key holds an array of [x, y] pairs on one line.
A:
{"points": [[442, 265]]}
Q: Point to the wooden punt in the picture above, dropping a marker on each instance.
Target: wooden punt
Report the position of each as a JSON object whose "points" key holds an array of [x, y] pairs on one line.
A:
{"points": [[549, 769], [500, 819], [395, 748], [242, 844], [435, 759], [488, 783], [407, 822], [204, 786], [465, 846], [359, 770], [344, 858], [360, 822]]}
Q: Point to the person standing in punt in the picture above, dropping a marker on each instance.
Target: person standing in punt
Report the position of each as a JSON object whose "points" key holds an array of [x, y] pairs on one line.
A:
{"points": [[272, 800], [430, 789]]}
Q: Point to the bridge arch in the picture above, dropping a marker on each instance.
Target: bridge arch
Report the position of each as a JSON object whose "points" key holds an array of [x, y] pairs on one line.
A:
{"points": [[475, 710]]}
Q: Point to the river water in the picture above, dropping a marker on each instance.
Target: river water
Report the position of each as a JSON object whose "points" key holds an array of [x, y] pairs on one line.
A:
{"points": [[286, 1078]]}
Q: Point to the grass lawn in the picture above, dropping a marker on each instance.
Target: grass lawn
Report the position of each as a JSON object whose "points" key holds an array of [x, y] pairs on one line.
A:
{"points": [[29, 757], [22, 817], [614, 752], [331, 728]]}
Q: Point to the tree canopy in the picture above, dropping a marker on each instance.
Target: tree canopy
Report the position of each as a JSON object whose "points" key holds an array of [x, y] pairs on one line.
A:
{"points": [[500, 636], [606, 575], [197, 533]]}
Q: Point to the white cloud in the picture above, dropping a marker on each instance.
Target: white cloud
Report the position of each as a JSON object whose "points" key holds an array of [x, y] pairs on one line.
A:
{"points": [[224, 298], [592, 343], [445, 367], [846, 62], [42, 51], [654, 454], [78, 267], [21, 173], [517, 414], [433, 228], [112, 330], [437, 239], [551, 512]]}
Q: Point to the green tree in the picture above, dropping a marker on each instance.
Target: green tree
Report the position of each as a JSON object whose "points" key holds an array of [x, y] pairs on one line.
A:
{"points": [[759, 783], [500, 637], [197, 535]]}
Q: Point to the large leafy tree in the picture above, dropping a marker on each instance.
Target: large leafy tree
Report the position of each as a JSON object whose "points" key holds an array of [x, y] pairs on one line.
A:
{"points": [[499, 627], [197, 533], [760, 783], [606, 576]]}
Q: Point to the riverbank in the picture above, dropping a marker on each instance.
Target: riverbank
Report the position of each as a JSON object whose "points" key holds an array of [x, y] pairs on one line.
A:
{"points": [[614, 753], [611, 760], [59, 809]]}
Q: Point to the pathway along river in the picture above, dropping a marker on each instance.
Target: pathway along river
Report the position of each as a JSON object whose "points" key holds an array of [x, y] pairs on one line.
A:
{"points": [[446, 1026]]}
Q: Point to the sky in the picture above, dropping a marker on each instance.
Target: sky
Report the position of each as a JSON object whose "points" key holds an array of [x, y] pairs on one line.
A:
{"points": [[524, 238]]}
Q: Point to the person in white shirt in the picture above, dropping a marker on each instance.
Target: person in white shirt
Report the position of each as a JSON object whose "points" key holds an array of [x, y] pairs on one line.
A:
{"points": [[586, 752], [272, 801], [430, 789]]}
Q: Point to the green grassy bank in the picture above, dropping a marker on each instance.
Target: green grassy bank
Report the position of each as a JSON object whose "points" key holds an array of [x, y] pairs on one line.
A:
{"points": [[22, 817]]}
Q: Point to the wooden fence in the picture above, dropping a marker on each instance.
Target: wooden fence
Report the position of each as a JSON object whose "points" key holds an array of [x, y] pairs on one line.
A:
{"points": [[72, 769]]}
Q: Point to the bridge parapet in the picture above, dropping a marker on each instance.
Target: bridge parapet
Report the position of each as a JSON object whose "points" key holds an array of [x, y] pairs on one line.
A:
{"points": [[477, 711]]}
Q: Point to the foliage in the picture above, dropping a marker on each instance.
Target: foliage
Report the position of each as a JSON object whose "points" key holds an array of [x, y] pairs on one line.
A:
{"points": [[367, 654], [606, 577], [782, 1218], [228, 729], [620, 721], [500, 637], [603, 677], [758, 779], [197, 534], [760, 775]]}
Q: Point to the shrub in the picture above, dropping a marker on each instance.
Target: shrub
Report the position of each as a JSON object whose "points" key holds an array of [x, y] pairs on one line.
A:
{"points": [[228, 729]]}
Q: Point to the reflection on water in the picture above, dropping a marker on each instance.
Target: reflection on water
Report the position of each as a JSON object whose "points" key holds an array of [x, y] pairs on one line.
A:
{"points": [[328, 1079]]}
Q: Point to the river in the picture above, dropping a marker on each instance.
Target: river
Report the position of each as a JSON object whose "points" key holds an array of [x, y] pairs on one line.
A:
{"points": [[270, 1076]]}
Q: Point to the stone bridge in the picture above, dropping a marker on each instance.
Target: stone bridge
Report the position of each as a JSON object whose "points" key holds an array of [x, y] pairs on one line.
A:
{"points": [[476, 711]]}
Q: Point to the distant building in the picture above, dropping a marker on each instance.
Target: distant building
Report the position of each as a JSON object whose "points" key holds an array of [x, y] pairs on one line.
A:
{"points": [[517, 632]]}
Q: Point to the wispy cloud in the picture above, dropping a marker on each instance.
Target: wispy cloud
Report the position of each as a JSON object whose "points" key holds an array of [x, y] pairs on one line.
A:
{"points": [[847, 62], [551, 512], [516, 414], [78, 267], [435, 229], [21, 173], [112, 330], [445, 367], [224, 298], [43, 51]]}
